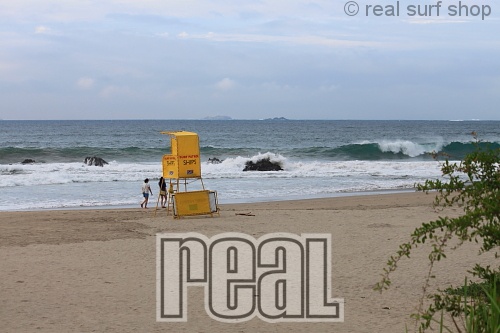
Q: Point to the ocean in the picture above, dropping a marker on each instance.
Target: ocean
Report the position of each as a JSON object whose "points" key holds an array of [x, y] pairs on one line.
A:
{"points": [[320, 158]]}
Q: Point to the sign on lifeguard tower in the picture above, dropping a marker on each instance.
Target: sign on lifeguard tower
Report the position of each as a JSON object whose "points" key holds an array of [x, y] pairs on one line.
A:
{"points": [[184, 160]]}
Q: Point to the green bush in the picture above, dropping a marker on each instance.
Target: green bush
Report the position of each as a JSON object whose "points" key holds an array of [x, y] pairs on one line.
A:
{"points": [[473, 185]]}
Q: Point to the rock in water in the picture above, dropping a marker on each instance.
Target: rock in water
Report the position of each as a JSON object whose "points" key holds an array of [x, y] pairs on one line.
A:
{"points": [[97, 161], [264, 164], [214, 160], [28, 161]]}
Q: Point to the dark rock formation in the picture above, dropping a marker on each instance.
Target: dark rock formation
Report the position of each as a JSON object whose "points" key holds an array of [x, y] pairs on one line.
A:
{"points": [[28, 161], [214, 160], [97, 161], [264, 164]]}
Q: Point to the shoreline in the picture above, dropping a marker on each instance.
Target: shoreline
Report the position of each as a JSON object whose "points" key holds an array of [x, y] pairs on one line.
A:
{"points": [[232, 201]]}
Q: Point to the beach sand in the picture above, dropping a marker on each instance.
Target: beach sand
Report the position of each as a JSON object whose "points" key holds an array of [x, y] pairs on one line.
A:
{"points": [[95, 270]]}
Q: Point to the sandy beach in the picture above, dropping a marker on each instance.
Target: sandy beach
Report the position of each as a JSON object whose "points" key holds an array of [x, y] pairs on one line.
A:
{"points": [[95, 270]]}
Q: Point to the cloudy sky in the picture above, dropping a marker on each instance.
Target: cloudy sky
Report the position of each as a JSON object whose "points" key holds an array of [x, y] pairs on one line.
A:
{"points": [[300, 59]]}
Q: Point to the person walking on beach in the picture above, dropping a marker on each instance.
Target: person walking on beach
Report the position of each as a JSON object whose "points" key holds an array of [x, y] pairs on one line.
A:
{"points": [[146, 190], [163, 192]]}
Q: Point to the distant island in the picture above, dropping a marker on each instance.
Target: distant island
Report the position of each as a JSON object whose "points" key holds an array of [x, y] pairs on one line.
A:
{"points": [[218, 118], [276, 118]]}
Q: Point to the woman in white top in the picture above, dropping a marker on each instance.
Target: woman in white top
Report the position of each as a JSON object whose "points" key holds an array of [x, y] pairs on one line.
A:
{"points": [[146, 189]]}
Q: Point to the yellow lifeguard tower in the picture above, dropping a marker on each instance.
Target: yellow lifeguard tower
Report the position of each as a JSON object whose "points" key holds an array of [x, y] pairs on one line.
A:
{"points": [[179, 167]]}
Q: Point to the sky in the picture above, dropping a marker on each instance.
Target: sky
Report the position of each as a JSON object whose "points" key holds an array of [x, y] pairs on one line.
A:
{"points": [[252, 59]]}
